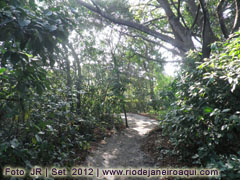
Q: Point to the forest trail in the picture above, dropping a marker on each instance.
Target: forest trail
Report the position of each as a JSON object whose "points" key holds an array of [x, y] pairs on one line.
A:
{"points": [[123, 148]]}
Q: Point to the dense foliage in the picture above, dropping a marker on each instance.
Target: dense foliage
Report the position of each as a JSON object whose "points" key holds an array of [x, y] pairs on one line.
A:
{"points": [[48, 114], [61, 87], [68, 69], [203, 122]]}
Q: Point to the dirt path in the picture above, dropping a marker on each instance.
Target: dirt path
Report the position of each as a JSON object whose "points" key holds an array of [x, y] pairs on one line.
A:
{"points": [[123, 149]]}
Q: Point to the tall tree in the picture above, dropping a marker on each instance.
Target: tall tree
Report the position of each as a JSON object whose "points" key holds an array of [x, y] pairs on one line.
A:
{"points": [[181, 22]]}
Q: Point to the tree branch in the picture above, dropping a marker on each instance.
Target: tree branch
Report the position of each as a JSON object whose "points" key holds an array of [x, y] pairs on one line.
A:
{"points": [[221, 19], [96, 5], [178, 8], [207, 35], [236, 24], [179, 13], [193, 9], [152, 20], [140, 27], [180, 32], [176, 25], [196, 18], [154, 42]]}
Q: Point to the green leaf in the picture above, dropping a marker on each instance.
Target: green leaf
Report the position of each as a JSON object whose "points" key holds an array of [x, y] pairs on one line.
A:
{"points": [[38, 128], [34, 141], [224, 127], [51, 27], [208, 110], [14, 143], [38, 138], [226, 110], [24, 22], [195, 156], [2, 70], [229, 165], [50, 127], [49, 13]]}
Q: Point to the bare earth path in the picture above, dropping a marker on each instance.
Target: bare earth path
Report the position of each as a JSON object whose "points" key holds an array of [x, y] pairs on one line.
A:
{"points": [[123, 149]]}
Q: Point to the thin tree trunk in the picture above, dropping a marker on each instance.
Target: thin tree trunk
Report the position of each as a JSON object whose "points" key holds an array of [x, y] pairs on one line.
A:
{"points": [[21, 103], [125, 114], [118, 78], [69, 79], [79, 75]]}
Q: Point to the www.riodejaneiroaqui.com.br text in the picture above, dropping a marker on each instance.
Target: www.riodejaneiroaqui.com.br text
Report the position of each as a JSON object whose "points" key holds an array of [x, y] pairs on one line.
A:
{"points": [[98, 172]]}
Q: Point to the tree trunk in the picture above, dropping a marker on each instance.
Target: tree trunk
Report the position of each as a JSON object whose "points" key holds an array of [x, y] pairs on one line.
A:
{"points": [[79, 75], [122, 103], [208, 36], [69, 79], [236, 24], [125, 114]]}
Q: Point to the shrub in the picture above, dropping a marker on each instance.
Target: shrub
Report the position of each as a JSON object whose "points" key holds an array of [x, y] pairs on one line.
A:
{"points": [[204, 121]]}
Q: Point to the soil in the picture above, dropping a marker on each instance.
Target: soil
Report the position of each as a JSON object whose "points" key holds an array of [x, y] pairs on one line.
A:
{"points": [[123, 149], [155, 144]]}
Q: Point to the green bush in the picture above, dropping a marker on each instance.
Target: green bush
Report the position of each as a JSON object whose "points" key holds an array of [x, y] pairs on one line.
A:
{"points": [[204, 121]]}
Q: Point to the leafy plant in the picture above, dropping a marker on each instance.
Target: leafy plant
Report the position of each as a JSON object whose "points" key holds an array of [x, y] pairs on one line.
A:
{"points": [[204, 120]]}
